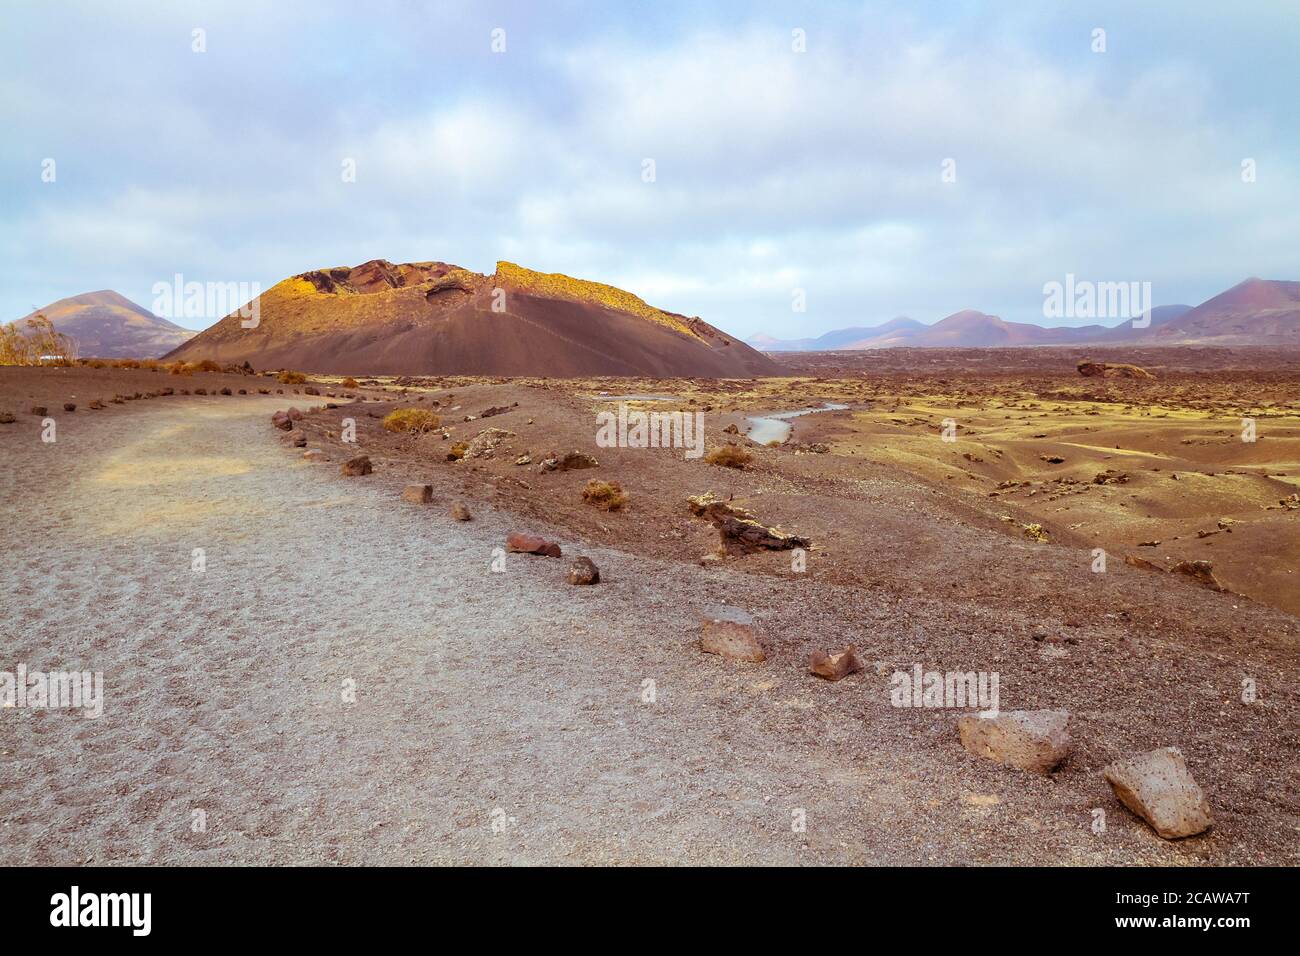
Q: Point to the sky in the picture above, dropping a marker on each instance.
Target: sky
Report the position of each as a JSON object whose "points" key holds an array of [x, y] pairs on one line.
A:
{"points": [[884, 159]]}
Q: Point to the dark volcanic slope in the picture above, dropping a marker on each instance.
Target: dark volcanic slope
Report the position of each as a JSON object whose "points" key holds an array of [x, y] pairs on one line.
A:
{"points": [[108, 325], [432, 318]]}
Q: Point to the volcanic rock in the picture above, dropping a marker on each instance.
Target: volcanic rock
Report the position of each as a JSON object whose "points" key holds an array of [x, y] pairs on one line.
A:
{"points": [[418, 494], [738, 531], [1202, 572], [583, 571], [531, 544], [835, 666], [360, 465], [1159, 788], [732, 640], [1036, 740], [1111, 370]]}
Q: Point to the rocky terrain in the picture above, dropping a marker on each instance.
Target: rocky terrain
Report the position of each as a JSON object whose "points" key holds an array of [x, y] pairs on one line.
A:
{"points": [[863, 528]]}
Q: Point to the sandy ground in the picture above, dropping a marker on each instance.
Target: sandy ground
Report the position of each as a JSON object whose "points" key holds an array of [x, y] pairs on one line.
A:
{"points": [[515, 696]]}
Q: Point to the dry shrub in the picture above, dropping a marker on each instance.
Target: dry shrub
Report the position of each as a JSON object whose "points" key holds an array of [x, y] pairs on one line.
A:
{"points": [[348, 383], [206, 365], [291, 378], [35, 342], [457, 451], [180, 368], [729, 456], [606, 495], [411, 420]]}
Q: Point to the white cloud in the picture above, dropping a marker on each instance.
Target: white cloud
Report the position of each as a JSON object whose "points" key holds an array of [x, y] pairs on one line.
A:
{"points": [[773, 168]]}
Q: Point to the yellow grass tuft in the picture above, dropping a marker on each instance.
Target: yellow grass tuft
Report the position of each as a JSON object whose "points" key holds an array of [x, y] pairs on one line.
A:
{"points": [[291, 378], [606, 495], [416, 420], [729, 456]]}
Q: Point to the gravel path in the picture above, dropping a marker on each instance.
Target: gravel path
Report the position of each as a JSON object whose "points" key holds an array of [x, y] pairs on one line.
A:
{"points": [[480, 697]]}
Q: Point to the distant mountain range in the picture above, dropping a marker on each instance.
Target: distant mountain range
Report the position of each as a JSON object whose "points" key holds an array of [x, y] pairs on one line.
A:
{"points": [[435, 318], [108, 325], [1254, 312]]}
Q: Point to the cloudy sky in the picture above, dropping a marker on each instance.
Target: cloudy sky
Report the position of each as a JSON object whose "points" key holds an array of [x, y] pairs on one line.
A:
{"points": [[774, 169]]}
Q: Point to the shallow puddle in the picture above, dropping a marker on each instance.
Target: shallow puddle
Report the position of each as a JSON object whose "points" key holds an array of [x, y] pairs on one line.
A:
{"points": [[776, 427]]}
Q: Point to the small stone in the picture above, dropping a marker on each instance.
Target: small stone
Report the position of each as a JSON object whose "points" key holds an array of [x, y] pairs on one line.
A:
{"points": [[1036, 740], [7, 418], [531, 544], [354, 467], [1202, 572], [460, 512], [313, 454], [297, 438], [835, 666], [1159, 788], [40, 411], [69, 406], [732, 640], [583, 571], [418, 494]]}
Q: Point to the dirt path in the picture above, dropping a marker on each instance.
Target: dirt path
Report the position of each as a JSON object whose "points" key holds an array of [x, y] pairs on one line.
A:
{"points": [[477, 693]]}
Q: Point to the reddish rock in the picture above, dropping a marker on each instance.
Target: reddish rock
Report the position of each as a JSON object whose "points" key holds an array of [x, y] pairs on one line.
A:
{"points": [[732, 640], [1111, 370], [40, 411], [1036, 740], [354, 467], [835, 666], [460, 512], [531, 544], [418, 494], [1202, 572], [69, 406], [584, 571], [1159, 788]]}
